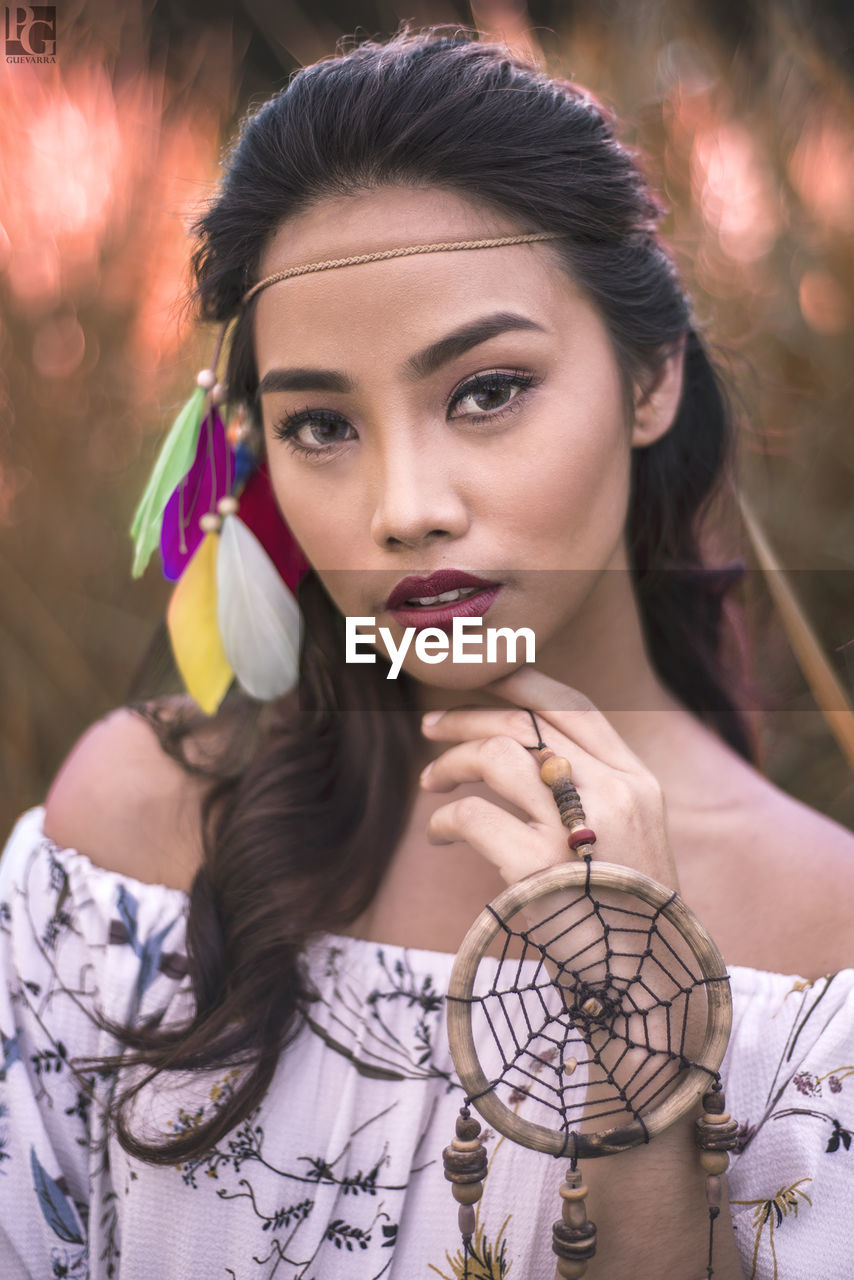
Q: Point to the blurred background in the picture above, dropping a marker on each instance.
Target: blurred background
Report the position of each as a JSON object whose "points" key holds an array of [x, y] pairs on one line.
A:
{"points": [[744, 112]]}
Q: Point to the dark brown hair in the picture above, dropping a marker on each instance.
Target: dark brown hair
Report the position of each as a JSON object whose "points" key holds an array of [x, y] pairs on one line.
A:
{"points": [[301, 820]]}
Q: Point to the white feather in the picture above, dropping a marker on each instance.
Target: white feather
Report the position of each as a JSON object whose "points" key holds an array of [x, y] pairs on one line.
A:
{"points": [[258, 618]]}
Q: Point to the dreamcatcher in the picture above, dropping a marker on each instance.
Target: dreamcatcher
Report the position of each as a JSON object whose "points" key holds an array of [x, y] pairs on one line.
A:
{"points": [[605, 1010]]}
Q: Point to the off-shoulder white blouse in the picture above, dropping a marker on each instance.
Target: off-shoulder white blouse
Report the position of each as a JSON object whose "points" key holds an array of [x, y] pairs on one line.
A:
{"points": [[339, 1172]]}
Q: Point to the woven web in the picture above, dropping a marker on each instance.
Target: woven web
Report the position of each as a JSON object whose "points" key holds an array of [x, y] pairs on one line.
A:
{"points": [[593, 1014]]}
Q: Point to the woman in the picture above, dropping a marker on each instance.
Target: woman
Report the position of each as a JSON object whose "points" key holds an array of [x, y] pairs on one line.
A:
{"points": [[540, 417]]}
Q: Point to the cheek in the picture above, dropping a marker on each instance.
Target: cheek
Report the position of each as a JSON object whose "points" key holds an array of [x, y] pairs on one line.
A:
{"points": [[324, 541], [570, 500], [322, 528], [587, 499]]}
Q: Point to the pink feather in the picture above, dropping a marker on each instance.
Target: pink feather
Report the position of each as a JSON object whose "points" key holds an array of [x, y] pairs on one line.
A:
{"points": [[259, 511]]}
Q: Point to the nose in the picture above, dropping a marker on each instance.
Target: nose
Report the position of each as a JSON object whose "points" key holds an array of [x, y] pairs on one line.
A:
{"points": [[418, 498]]}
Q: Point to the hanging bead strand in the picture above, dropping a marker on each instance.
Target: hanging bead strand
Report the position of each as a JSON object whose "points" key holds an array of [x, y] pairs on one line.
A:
{"points": [[466, 1164], [716, 1134], [573, 1235], [556, 773], [215, 395]]}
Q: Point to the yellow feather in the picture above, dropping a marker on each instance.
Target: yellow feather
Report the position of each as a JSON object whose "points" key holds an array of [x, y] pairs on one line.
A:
{"points": [[826, 687], [193, 630]]}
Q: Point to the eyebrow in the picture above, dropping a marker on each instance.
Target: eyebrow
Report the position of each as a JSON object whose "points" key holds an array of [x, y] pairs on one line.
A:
{"points": [[417, 366], [463, 339]]}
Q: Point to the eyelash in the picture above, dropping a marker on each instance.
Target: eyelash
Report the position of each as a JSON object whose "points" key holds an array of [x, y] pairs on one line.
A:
{"points": [[287, 427]]}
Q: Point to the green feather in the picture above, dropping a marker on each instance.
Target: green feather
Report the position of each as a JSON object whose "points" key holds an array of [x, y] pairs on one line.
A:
{"points": [[173, 463]]}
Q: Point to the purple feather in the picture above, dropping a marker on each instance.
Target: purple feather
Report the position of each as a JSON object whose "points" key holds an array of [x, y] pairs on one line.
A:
{"points": [[209, 479]]}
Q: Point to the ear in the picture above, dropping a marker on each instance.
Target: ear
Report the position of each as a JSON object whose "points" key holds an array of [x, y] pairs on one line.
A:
{"points": [[657, 400]]}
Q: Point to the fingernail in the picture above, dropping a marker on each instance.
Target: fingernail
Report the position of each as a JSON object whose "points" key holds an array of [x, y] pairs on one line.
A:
{"points": [[431, 717], [425, 771]]}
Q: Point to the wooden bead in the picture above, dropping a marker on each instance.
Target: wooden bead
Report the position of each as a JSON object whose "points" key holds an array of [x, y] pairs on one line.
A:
{"points": [[574, 1212], [592, 1007], [465, 1166], [219, 393], [466, 1220], [565, 791], [206, 379], [566, 819], [554, 768], [569, 806], [575, 1243], [569, 818], [465, 1160], [714, 1101], [714, 1162], [569, 1269], [467, 1192], [573, 1193], [467, 1128], [714, 1190], [716, 1133], [710, 1117], [228, 506], [568, 802], [581, 835], [210, 522]]}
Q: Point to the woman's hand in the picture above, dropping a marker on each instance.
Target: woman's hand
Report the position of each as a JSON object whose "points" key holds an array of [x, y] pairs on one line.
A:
{"points": [[622, 799]]}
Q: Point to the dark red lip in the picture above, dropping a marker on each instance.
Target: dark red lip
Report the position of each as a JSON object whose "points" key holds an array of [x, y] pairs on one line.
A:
{"points": [[434, 585], [441, 616]]}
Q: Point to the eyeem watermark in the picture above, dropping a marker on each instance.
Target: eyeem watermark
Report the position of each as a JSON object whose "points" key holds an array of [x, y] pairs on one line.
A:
{"points": [[30, 32], [433, 644]]}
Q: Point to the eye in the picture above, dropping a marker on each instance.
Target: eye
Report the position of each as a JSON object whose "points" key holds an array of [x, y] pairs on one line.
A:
{"points": [[313, 431], [487, 394]]}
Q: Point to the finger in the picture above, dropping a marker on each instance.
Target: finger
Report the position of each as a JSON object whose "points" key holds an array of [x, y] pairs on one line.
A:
{"points": [[570, 712], [464, 724], [473, 722], [506, 842], [506, 768]]}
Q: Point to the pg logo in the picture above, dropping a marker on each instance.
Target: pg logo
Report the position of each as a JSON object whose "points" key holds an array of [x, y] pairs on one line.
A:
{"points": [[30, 31]]}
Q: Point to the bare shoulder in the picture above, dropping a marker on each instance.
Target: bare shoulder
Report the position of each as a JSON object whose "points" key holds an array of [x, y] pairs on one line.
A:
{"points": [[807, 860], [122, 801], [778, 878]]}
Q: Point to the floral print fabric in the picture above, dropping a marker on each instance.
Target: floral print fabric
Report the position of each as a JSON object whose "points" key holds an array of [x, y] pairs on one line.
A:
{"points": [[339, 1172]]}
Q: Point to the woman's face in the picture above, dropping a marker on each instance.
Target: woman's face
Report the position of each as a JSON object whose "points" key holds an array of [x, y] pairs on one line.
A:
{"points": [[458, 411]]}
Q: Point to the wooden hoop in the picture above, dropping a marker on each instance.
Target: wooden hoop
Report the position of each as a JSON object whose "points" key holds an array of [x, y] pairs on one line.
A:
{"points": [[574, 875]]}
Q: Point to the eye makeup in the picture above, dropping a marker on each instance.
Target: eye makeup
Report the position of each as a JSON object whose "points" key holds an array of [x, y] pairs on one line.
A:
{"points": [[502, 385]]}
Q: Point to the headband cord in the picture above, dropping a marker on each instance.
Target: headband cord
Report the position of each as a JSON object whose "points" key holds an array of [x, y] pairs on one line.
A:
{"points": [[408, 251]]}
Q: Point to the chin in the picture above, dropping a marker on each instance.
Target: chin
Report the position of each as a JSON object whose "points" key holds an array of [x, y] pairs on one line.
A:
{"points": [[460, 676]]}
